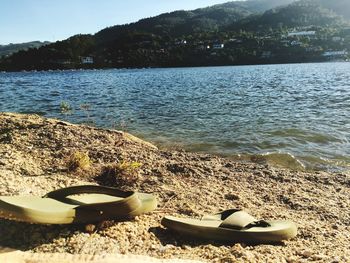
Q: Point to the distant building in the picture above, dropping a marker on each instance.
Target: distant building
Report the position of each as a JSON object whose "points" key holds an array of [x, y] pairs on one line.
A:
{"points": [[296, 43], [235, 40], [301, 33], [87, 60], [218, 46], [313, 49], [181, 42], [339, 53], [337, 39]]}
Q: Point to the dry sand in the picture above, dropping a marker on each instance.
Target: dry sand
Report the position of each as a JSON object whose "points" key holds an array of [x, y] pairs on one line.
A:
{"points": [[33, 151]]}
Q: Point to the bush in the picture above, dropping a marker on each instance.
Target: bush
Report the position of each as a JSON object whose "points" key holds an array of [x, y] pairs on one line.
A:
{"points": [[121, 173]]}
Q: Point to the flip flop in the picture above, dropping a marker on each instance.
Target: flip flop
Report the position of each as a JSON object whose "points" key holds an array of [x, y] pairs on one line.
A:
{"points": [[77, 204], [233, 226]]}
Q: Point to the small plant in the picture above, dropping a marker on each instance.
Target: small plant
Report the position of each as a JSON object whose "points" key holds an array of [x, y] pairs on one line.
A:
{"points": [[65, 107], [78, 161], [123, 172]]}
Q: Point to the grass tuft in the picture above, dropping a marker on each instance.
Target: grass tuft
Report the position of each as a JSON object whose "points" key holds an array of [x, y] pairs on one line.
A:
{"points": [[125, 173], [78, 161]]}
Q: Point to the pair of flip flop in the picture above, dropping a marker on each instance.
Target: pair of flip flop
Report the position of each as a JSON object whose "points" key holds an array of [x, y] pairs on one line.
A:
{"points": [[89, 203]]}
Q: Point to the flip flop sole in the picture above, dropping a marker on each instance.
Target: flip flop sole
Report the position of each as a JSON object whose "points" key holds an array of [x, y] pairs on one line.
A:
{"points": [[209, 229], [49, 211]]}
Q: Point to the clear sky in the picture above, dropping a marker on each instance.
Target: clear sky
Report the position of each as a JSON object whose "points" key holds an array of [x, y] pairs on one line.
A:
{"points": [[51, 20]]}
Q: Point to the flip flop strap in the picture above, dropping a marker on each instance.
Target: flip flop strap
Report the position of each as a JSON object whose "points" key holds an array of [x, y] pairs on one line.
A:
{"points": [[129, 203], [237, 220], [260, 223]]}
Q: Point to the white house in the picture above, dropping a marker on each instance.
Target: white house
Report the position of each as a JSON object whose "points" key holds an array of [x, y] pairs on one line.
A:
{"points": [[218, 46], [87, 60], [301, 34], [338, 53]]}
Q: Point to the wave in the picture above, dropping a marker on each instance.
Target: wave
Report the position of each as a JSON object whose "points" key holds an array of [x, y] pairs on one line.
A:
{"points": [[285, 160], [300, 163], [274, 159]]}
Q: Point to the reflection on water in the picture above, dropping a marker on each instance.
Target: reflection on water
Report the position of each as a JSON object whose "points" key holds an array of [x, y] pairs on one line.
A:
{"points": [[290, 115]]}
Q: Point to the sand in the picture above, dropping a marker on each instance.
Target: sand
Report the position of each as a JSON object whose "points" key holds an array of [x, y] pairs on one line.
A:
{"points": [[33, 154]]}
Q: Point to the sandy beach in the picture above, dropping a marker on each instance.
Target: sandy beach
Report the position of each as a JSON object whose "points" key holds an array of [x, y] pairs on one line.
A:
{"points": [[33, 161]]}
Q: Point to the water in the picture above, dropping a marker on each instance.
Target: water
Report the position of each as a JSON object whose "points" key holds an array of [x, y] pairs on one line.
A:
{"points": [[291, 115]]}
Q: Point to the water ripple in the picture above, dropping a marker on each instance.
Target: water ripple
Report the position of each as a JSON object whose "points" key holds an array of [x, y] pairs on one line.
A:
{"points": [[293, 115]]}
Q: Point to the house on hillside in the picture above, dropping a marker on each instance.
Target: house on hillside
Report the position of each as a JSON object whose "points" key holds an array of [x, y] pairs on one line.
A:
{"points": [[338, 55], [87, 60], [218, 46], [296, 43], [335, 54], [337, 39], [181, 42], [302, 34], [235, 40]]}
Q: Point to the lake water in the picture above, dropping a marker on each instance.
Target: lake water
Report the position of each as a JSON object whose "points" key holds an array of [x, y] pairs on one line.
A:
{"points": [[295, 115]]}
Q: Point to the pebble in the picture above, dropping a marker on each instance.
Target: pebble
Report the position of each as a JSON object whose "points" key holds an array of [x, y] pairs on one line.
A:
{"points": [[307, 253]]}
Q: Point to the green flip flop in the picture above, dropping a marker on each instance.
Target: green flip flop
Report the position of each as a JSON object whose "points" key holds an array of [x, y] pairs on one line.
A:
{"points": [[77, 204], [233, 226]]}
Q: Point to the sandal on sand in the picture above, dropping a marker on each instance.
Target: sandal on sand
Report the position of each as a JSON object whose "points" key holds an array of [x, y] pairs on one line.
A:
{"points": [[233, 226], [77, 204]]}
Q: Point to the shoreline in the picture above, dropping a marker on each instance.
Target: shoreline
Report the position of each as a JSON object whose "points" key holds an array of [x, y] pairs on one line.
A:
{"points": [[32, 154], [172, 67]]}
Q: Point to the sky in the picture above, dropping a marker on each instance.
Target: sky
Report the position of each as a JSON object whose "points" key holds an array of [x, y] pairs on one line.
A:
{"points": [[52, 20]]}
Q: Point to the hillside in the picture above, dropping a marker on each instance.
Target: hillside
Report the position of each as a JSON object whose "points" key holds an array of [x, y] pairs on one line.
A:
{"points": [[180, 23], [340, 7], [233, 33], [259, 6], [298, 14], [6, 50]]}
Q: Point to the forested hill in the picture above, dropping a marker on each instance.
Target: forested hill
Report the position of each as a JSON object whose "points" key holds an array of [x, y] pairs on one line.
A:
{"points": [[180, 23], [9, 49], [238, 32], [255, 6], [298, 14]]}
